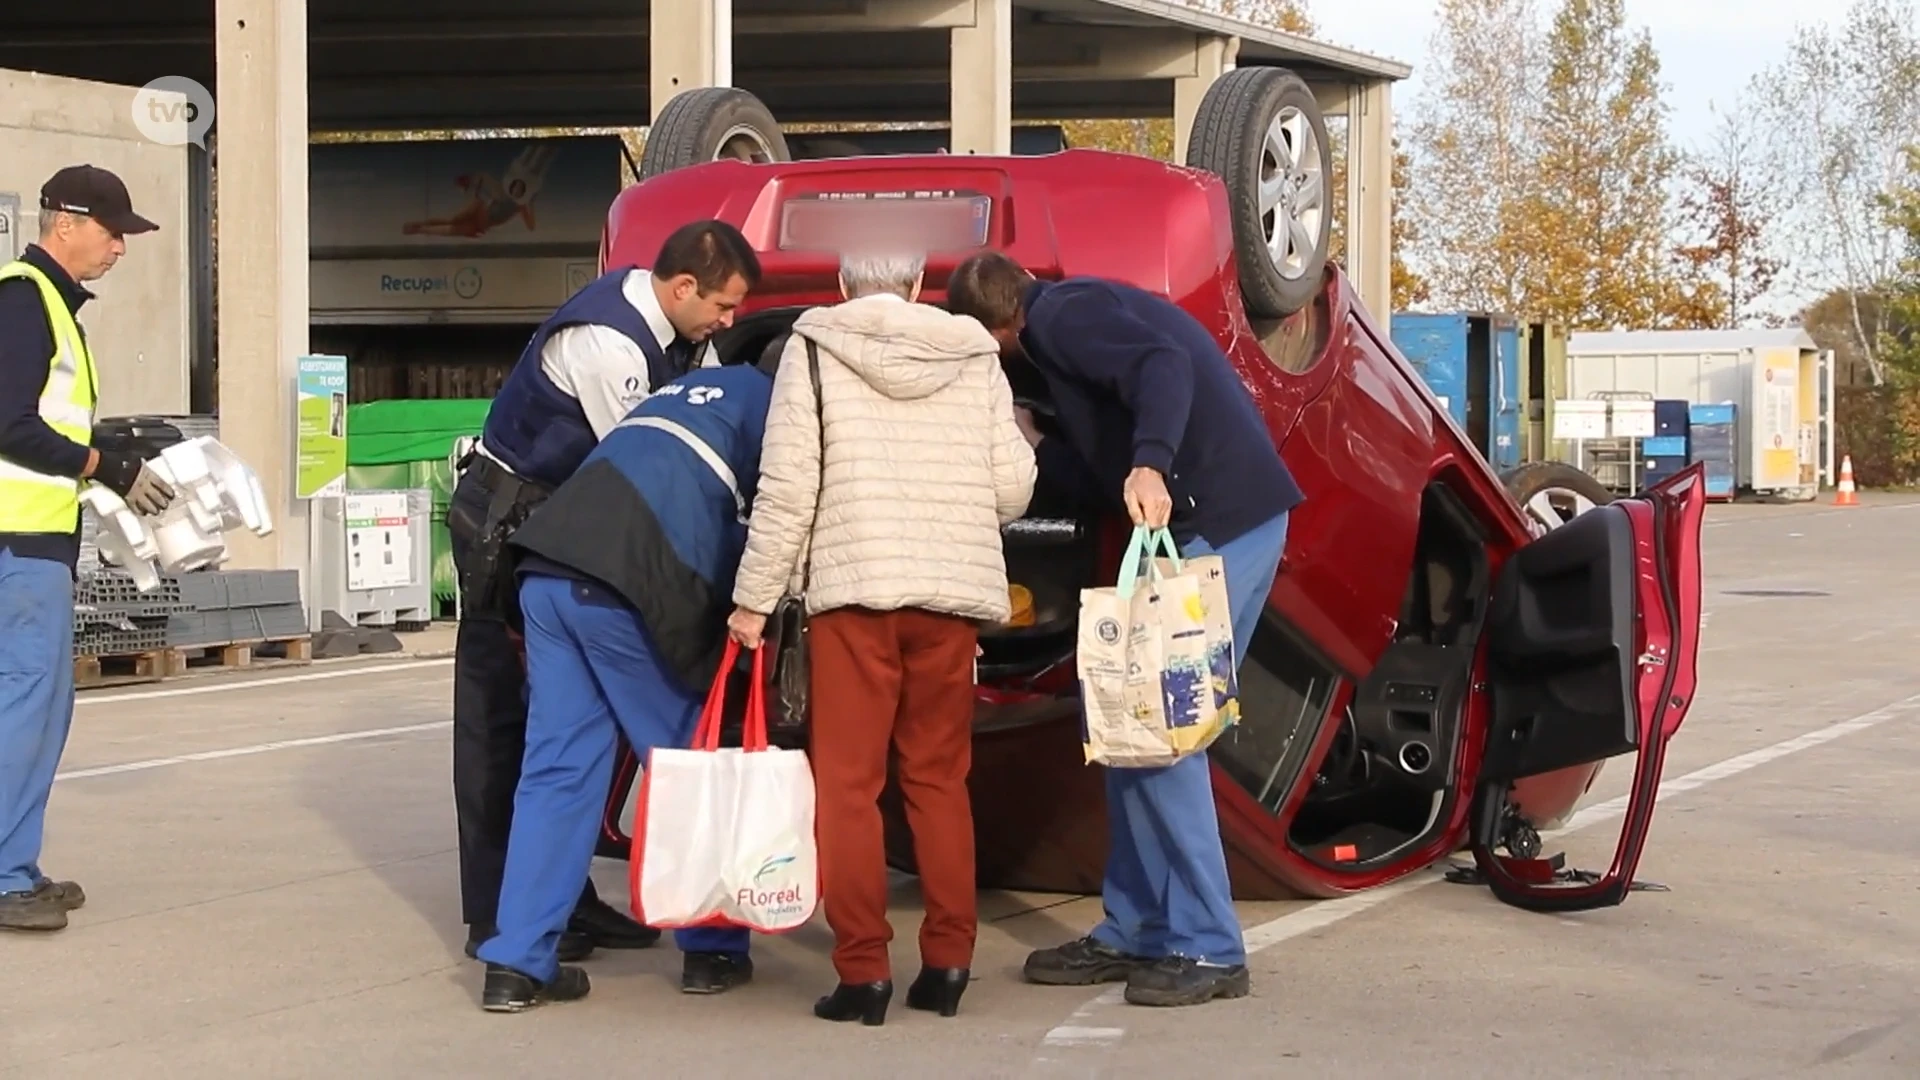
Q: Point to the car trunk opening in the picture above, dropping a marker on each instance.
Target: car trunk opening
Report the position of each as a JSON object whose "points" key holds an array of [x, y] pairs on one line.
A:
{"points": [[1026, 671]]}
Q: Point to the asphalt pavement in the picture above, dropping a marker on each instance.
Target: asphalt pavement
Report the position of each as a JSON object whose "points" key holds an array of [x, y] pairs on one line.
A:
{"points": [[272, 893]]}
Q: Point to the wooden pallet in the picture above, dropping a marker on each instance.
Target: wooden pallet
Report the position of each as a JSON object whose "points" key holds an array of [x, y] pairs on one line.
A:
{"points": [[128, 668], [157, 664], [240, 654]]}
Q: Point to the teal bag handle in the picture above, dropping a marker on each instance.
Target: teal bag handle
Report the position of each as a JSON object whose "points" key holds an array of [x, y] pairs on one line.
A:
{"points": [[1163, 541], [1137, 549], [1142, 548]]}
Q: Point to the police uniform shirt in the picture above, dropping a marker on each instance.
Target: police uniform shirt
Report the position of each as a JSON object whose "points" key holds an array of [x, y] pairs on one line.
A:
{"points": [[604, 370]]}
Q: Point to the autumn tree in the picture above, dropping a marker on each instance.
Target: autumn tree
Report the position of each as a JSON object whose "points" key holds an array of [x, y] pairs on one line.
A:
{"points": [[1472, 138], [1727, 210], [1843, 106], [1154, 137], [1596, 216]]}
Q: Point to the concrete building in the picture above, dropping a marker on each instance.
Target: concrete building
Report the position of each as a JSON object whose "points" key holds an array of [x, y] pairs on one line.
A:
{"points": [[282, 67], [138, 329]]}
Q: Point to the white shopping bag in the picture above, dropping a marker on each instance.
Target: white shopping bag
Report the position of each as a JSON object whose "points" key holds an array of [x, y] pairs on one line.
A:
{"points": [[724, 835], [1147, 698]]}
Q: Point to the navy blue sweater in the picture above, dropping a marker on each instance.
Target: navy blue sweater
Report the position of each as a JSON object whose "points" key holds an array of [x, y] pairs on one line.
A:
{"points": [[1137, 381], [26, 359]]}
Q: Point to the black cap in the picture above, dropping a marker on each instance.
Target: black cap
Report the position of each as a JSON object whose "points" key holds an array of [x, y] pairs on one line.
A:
{"points": [[97, 193]]}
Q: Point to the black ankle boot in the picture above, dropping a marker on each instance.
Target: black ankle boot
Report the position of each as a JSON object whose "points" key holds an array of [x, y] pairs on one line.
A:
{"points": [[938, 990], [865, 1002]]}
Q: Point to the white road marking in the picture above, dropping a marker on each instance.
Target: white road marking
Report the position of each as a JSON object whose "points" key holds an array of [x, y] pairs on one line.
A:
{"points": [[279, 680], [1075, 1032], [248, 751]]}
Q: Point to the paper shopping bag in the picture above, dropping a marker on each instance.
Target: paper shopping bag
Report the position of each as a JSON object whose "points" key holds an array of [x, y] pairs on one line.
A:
{"points": [[1147, 698], [724, 835], [1223, 663]]}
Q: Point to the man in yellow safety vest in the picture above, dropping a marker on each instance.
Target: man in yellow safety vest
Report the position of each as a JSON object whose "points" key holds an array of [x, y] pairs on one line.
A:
{"points": [[48, 391]]}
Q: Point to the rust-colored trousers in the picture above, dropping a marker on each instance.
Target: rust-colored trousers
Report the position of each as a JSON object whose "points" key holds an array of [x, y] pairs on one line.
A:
{"points": [[902, 679]]}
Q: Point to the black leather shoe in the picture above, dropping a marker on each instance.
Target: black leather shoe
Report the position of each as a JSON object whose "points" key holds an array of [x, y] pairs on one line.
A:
{"points": [[573, 948], [507, 990], [938, 990], [714, 972], [608, 929], [865, 1002]]}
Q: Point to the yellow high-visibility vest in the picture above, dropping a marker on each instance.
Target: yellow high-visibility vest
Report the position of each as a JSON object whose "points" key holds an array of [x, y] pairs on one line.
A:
{"points": [[33, 502]]}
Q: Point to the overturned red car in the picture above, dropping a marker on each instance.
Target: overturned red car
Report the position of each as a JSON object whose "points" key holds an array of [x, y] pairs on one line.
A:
{"points": [[1435, 671]]}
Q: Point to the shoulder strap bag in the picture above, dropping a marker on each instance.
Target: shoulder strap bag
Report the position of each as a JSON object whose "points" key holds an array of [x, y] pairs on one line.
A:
{"points": [[787, 699]]}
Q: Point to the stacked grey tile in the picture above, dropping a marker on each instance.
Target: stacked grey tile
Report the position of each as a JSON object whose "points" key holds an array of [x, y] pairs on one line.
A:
{"points": [[232, 606], [112, 617]]}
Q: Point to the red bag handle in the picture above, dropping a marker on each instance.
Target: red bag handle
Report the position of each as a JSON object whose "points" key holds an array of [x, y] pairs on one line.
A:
{"points": [[706, 735]]}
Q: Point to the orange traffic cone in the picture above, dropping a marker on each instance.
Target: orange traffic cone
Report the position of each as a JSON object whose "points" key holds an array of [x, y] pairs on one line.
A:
{"points": [[1845, 496]]}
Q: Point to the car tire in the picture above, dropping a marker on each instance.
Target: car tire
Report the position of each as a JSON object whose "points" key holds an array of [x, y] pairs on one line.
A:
{"points": [[1551, 493], [711, 123], [1260, 130]]}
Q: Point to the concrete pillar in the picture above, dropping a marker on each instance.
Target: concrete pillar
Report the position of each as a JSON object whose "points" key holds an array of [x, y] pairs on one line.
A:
{"points": [[1370, 195], [982, 80], [1214, 56], [260, 113], [690, 44]]}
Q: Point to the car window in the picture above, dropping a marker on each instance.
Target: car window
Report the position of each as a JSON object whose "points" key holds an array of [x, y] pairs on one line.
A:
{"points": [[1285, 692]]}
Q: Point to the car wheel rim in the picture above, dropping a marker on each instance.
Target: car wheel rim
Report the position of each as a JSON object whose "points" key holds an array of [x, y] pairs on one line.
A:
{"points": [[743, 143], [1293, 193], [1552, 507]]}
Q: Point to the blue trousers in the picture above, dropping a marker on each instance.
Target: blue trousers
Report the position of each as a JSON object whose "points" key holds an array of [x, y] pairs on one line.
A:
{"points": [[36, 705], [590, 666], [1166, 890]]}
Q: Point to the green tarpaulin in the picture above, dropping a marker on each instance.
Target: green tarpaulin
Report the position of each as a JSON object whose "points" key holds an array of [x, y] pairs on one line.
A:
{"points": [[387, 432]]}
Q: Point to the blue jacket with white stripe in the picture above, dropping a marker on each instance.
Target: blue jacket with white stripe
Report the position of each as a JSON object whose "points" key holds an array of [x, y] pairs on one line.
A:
{"points": [[658, 512]]}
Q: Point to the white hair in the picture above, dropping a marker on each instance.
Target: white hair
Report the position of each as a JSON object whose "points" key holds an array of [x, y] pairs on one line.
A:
{"points": [[864, 273]]}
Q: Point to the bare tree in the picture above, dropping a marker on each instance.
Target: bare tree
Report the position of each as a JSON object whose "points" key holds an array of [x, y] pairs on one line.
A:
{"points": [[1472, 142], [1728, 207], [1842, 110]]}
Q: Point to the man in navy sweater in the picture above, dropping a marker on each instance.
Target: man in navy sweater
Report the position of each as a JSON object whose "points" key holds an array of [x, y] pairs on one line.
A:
{"points": [[1155, 420]]}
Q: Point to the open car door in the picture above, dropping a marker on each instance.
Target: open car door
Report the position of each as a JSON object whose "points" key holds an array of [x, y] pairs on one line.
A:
{"points": [[1593, 639]]}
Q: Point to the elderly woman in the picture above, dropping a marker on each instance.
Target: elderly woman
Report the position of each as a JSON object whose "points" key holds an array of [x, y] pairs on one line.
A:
{"points": [[892, 487]]}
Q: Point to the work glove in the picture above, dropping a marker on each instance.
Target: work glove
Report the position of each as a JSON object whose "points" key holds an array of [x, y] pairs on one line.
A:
{"points": [[129, 478]]}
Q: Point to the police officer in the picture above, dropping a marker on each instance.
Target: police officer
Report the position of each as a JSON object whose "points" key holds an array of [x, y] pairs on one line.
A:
{"points": [[623, 637], [48, 390], [618, 339]]}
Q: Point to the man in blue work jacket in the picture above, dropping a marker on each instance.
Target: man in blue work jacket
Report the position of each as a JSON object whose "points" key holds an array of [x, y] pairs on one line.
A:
{"points": [[48, 390], [618, 339], [626, 580], [1155, 421]]}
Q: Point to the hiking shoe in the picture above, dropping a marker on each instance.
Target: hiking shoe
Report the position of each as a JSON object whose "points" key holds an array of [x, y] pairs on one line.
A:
{"points": [[1177, 980], [31, 909], [67, 894], [1081, 962], [507, 990]]}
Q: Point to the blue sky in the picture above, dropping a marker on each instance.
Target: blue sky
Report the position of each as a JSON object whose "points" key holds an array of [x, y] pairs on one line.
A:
{"points": [[1709, 49]]}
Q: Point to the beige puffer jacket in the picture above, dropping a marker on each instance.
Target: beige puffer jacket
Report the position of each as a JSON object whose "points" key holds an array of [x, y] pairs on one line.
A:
{"points": [[924, 463]]}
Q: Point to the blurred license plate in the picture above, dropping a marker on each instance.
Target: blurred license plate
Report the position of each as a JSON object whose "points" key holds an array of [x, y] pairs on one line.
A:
{"points": [[903, 220]]}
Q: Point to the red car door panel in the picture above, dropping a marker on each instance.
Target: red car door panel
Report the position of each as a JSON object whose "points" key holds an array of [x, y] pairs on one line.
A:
{"points": [[1592, 643]]}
